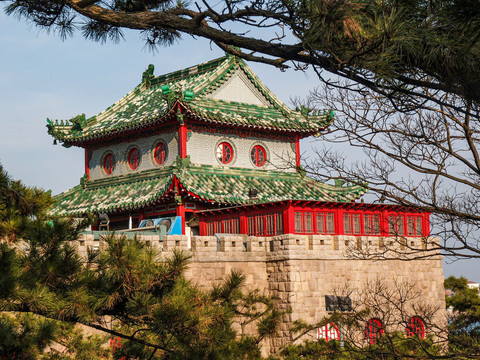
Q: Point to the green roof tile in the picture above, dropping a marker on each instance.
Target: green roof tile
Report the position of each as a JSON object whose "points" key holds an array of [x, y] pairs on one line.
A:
{"points": [[146, 105], [228, 186]]}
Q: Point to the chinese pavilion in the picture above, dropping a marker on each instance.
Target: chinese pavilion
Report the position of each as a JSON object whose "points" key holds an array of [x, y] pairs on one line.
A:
{"points": [[212, 145]]}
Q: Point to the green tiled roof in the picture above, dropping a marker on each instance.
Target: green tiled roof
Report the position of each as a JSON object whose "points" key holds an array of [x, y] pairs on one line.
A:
{"points": [[220, 185], [147, 105]]}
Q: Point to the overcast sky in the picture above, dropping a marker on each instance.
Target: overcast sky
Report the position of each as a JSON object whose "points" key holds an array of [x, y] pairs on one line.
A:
{"points": [[41, 76]]}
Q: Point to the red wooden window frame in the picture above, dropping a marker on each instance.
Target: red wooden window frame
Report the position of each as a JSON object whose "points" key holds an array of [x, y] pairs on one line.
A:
{"points": [[228, 225], [268, 224], [414, 225], [160, 153], [304, 222], [373, 331], [109, 163], [352, 223], [325, 222], [396, 224], [133, 158], [308, 220], [224, 152], [372, 224], [258, 155], [415, 327]]}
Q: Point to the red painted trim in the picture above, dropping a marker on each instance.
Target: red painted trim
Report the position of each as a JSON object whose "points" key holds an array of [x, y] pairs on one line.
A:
{"points": [[182, 140], [87, 164], [297, 152]]}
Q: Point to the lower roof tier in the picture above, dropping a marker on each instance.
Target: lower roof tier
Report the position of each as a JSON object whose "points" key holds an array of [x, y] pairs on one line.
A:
{"points": [[215, 185]]}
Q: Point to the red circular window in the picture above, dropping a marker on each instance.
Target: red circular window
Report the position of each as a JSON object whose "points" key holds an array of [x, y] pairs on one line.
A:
{"points": [[258, 155], [160, 153], [224, 152], [415, 327], [134, 158], [373, 331], [109, 164]]}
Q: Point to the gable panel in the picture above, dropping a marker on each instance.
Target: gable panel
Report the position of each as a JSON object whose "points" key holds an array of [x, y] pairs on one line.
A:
{"points": [[239, 89]]}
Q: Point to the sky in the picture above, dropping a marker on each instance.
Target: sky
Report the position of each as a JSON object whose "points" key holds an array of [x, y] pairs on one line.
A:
{"points": [[43, 77]]}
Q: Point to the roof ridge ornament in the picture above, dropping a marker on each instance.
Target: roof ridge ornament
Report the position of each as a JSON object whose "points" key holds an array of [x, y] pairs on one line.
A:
{"points": [[147, 75]]}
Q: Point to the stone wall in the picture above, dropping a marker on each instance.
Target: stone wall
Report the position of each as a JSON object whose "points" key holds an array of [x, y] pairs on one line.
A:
{"points": [[300, 270]]}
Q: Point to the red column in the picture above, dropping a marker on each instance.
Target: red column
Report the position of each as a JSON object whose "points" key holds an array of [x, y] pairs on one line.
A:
{"points": [[339, 225], [297, 152], [289, 220], [182, 140], [243, 223], [181, 212], [202, 227], [426, 225], [141, 215], [87, 165]]}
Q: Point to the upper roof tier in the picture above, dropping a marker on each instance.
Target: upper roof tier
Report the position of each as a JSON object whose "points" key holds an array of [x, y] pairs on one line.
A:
{"points": [[224, 91]]}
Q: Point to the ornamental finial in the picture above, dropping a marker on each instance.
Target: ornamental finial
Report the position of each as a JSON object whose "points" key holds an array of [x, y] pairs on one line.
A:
{"points": [[148, 75]]}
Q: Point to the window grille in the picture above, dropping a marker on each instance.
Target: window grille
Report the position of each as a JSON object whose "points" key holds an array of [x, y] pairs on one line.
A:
{"points": [[227, 226], [210, 229], [330, 223], [415, 327], [278, 223], [260, 226], [308, 222], [218, 226], [373, 331], [270, 224], [224, 152], [414, 226], [347, 224], [160, 153], [298, 222], [371, 224], [235, 226], [418, 226], [321, 223], [251, 225], [396, 225], [258, 155], [356, 223]]}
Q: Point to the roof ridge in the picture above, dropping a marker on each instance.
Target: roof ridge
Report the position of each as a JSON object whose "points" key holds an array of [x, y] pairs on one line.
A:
{"points": [[129, 178], [186, 72], [230, 170]]}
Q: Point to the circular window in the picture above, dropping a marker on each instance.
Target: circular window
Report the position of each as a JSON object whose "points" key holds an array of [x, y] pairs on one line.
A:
{"points": [[373, 331], [258, 155], [416, 327], [224, 152], [134, 158], [160, 153], [109, 163]]}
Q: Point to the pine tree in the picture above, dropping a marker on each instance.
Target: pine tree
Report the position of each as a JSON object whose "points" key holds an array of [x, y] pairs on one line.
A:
{"points": [[124, 292]]}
